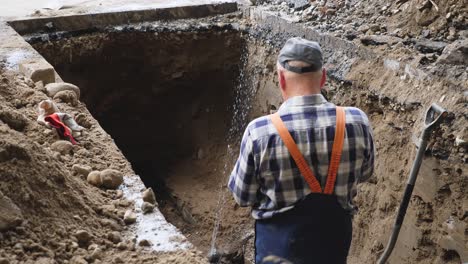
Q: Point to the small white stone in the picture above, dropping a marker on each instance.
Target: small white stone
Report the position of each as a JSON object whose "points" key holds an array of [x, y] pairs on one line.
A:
{"points": [[130, 217]]}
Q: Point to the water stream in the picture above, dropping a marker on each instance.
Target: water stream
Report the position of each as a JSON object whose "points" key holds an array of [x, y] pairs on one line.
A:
{"points": [[244, 93]]}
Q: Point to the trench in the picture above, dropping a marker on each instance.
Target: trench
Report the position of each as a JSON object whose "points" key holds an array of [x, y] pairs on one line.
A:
{"points": [[176, 101], [169, 100]]}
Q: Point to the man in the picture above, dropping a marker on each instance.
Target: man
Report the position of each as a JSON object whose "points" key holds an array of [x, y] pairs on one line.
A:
{"points": [[300, 192]]}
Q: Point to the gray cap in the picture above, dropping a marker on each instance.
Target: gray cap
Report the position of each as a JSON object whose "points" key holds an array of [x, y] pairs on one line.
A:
{"points": [[299, 49]]}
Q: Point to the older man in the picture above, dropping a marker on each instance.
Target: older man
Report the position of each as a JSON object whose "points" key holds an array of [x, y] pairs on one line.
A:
{"points": [[298, 168]]}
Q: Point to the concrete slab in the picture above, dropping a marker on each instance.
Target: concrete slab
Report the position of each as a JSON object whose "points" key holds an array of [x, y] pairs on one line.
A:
{"points": [[115, 16], [17, 9]]}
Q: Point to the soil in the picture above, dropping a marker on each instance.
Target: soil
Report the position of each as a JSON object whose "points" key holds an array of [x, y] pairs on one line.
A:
{"points": [[54, 201], [391, 87]]}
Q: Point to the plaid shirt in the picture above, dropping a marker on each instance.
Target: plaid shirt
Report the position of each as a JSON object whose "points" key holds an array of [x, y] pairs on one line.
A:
{"points": [[265, 175]]}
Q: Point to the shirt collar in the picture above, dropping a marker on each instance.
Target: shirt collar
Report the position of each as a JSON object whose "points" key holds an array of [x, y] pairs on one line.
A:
{"points": [[315, 99]]}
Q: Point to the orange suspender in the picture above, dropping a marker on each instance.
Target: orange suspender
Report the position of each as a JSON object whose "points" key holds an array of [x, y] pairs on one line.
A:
{"points": [[301, 163]]}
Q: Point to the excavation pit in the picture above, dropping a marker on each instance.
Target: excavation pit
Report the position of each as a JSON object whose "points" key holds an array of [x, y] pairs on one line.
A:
{"points": [[169, 98]]}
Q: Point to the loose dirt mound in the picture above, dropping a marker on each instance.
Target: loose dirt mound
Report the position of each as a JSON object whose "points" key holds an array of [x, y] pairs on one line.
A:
{"points": [[49, 213]]}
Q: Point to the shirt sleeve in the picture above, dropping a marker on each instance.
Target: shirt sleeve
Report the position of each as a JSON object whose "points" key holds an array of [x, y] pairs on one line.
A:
{"points": [[369, 153], [243, 181]]}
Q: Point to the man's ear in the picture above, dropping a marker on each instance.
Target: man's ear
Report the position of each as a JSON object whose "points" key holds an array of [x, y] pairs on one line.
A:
{"points": [[324, 78], [281, 79]]}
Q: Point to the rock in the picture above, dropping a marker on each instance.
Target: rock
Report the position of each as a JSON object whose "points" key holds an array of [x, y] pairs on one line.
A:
{"points": [[111, 179], [454, 238], [426, 17], [84, 120], [13, 151], [38, 70], [122, 246], [145, 243], [148, 196], [14, 120], [118, 194], [10, 214], [81, 169], [94, 178], [428, 46], [115, 237], [67, 96], [147, 207], [62, 146], [363, 28], [129, 217], [4, 261], [78, 260], [374, 27], [54, 88], [380, 40], [117, 260], [83, 237], [96, 254], [455, 53]]}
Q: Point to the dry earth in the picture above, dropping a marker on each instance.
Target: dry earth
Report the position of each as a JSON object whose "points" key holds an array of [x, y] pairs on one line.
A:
{"points": [[50, 214]]}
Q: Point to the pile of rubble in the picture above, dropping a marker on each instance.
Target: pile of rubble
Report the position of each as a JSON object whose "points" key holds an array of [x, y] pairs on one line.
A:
{"points": [[432, 27]]}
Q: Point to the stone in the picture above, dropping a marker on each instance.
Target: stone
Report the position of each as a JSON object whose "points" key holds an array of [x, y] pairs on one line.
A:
{"points": [[145, 243], [67, 96], [39, 70], [117, 260], [81, 169], [426, 17], [13, 151], [455, 53], [4, 261], [118, 194], [115, 237], [380, 40], [148, 196], [454, 238], [96, 254], [10, 215], [298, 4], [147, 207], [53, 88], [122, 246], [363, 28], [429, 46], [62, 146], [111, 179], [129, 217], [94, 178], [78, 260], [14, 120], [374, 27], [83, 237]]}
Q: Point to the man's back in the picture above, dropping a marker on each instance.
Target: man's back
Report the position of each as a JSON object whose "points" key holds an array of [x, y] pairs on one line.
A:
{"points": [[267, 178]]}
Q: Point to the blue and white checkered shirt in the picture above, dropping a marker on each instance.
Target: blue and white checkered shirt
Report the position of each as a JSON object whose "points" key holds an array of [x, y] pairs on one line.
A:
{"points": [[265, 175]]}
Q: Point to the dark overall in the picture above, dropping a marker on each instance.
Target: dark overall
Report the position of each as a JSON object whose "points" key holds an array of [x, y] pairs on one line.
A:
{"points": [[317, 230]]}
